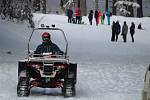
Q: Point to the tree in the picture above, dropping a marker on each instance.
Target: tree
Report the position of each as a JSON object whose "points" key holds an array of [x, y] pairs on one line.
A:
{"points": [[114, 10], [96, 4], [130, 9], [43, 4], [83, 7], [126, 7], [36, 5], [140, 9], [78, 3], [106, 5]]}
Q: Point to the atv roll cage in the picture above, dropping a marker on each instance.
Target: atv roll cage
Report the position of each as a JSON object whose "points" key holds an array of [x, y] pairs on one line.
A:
{"points": [[48, 28]]}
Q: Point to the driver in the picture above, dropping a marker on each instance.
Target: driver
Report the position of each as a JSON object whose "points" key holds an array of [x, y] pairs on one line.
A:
{"points": [[47, 46]]}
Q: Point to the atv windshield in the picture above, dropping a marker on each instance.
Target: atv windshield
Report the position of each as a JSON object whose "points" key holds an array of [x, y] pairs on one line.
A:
{"points": [[57, 37]]}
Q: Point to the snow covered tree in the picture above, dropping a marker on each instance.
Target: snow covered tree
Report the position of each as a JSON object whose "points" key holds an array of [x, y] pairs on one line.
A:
{"points": [[130, 9], [114, 7], [83, 7], [140, 9], [96, 4], [43, 6], [125, 7], [36, 5], [65, 4]]}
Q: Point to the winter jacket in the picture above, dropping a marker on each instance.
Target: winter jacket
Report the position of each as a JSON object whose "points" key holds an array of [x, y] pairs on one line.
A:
{"points": [[114, 29], [47, 48], [96, 14], [70, 13], [78, 12], [125, 29], [118, 28], [103, 16], [90, 16], [108, 13], [132, 28]]}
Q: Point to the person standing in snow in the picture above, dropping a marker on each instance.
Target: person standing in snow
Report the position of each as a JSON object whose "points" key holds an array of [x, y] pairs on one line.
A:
{"points": [[47, 46], [124, 31], [99, 16], [90, 17], [96, 17], [108, 14], [118, 28], [113, 31], [103, 18], [78, 15], [70, 13], [132, 30]]}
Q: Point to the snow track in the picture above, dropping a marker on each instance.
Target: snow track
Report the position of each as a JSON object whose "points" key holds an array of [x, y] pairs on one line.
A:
{"points": [[106, 70], [99, 81]]}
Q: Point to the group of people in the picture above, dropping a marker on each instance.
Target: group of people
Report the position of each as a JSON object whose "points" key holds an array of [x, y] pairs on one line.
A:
{"points": [[99, 17], [74, 17], [116, 30]]}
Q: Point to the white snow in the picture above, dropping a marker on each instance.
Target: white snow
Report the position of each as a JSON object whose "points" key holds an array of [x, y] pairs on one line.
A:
{"points": [[106, 70]]}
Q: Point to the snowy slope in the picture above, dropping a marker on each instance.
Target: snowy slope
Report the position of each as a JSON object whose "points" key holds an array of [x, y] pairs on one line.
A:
{"points": [[106, 70]]}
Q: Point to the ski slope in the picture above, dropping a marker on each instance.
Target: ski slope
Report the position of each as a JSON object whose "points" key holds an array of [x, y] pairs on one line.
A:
{"points": [[106, 70]]}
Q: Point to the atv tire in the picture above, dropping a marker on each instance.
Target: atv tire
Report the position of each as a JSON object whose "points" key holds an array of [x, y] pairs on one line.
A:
{"points": [[23, 87], [69, 88]]}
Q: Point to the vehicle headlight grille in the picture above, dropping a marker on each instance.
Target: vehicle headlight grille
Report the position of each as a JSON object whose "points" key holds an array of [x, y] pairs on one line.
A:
{"points": [[48, 69]]}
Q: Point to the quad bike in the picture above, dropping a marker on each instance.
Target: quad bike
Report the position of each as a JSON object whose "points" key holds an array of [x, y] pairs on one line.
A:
{"points": [[146, 90], [47, 70]]}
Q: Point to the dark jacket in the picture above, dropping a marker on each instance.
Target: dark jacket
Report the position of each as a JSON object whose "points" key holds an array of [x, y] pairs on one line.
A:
{"points": [[114, 29], [124, 29], [118, 28], [70, 13], [96, 14], [90, 15], [132, 28], [47, 48]]}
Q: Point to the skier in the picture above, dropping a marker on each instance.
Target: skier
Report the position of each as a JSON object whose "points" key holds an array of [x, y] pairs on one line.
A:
{"points": [[124, 31], [90, 16], [47, 46], [108, 14], [96, 17], [132, 30], [118, 28]]}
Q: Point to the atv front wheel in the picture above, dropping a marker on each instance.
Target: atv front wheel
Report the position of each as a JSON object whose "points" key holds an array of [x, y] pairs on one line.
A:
{"points": [[23, 87], [69, 88]]}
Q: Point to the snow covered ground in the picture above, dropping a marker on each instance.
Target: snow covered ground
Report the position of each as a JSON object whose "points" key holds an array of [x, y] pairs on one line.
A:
{"points": [[106, 70]]}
